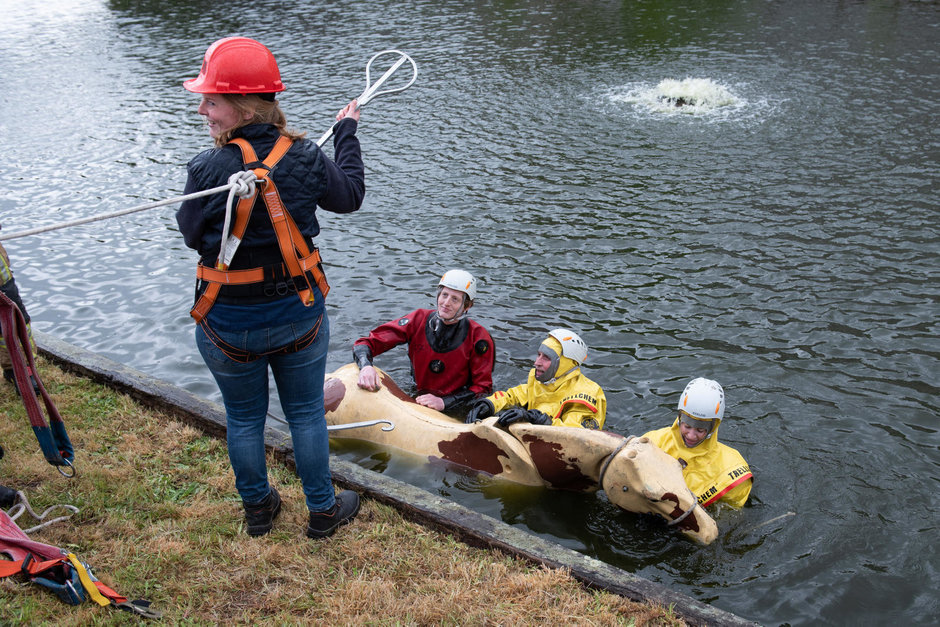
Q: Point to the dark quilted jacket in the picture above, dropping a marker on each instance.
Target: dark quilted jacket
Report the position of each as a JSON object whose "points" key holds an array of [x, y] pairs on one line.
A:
{"points": [[305, 178]]}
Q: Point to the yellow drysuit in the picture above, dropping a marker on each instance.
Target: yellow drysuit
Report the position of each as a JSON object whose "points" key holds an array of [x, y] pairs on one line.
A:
{"points": [[713, 471]]}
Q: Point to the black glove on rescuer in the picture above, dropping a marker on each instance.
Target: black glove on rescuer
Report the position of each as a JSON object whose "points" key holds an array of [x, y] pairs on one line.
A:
{"points": [[481, 409], [519, 414]]}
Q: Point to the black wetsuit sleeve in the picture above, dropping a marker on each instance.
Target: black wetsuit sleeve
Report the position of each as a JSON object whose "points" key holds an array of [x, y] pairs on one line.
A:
{"points": [[459, 397], [362, 355]]}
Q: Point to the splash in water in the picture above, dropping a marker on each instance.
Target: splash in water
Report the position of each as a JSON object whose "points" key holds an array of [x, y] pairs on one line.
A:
{"points": [[700, 93], [689, 95]]}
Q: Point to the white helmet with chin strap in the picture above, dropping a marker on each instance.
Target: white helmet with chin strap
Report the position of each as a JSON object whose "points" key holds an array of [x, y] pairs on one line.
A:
{"points": [[461, 281], [702, 404], [573, 349]]}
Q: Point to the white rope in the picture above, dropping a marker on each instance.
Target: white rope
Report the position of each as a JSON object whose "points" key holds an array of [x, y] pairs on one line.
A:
{"points": [[24, 506], [105, 216], [243, 186], [240, 186]]}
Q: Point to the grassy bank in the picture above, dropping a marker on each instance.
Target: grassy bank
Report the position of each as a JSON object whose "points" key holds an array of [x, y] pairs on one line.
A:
{"points": [[160, 520]]}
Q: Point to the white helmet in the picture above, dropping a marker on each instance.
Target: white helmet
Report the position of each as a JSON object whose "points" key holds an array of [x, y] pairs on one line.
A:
{"points": [[461, 281], [572, 346], [702, 404]]}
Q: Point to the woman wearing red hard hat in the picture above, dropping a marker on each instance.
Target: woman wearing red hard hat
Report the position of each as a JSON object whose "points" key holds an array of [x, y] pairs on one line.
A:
{"points": [[260, 289]]}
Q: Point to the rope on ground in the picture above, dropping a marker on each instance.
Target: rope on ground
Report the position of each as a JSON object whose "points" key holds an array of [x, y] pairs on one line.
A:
{"points": [[105, 216], [24, 506]]}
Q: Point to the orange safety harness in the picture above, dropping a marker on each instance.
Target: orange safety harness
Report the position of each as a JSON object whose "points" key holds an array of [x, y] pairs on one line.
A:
{"points": [[72, 581], [54, 568], [302, 265]]}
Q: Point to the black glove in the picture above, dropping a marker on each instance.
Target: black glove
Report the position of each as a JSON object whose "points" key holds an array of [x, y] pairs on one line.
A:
{"points": [[537, 417], [481, 409], [520, 414]]}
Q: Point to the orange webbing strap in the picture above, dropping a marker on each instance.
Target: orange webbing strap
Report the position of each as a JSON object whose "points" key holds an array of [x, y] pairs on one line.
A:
{"points": [[310, 263], [30, 566], [27, 566], [242, 213], [294, 249], [285, 229], [205, 302]]}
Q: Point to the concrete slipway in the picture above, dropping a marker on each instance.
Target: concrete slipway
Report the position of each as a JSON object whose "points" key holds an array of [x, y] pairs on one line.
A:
{"points": [[414, 503]]}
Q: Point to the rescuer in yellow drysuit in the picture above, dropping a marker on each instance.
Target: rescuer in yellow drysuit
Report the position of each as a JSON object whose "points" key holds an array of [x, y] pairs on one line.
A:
{"points": [[712, 470], [556, 392]]}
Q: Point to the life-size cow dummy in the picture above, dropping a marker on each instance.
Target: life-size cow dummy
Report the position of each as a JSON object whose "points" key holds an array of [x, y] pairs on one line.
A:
{"points": [[636, 475]]}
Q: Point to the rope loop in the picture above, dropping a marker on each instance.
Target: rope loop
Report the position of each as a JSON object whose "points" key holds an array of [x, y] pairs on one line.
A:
{"points": [[678, 520], [610, 458], [23, 506]]}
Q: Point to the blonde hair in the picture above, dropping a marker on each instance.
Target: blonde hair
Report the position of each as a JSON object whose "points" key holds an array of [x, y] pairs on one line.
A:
{"points": [[262, 112]]}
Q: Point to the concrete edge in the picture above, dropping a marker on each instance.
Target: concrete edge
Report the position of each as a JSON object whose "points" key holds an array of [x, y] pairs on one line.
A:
{"points": [[414, 503]]}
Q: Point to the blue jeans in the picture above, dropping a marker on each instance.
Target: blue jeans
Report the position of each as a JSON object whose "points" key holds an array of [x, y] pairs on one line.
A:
{"points": [[244, 386]]}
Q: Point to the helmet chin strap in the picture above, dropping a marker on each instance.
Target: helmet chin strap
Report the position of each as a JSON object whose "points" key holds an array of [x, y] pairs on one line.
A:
{"points": [[553, 379], [697, 424], [437, 320]]}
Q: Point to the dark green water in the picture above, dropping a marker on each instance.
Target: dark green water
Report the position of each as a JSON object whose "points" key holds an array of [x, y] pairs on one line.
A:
{"points": [[784, 243]]}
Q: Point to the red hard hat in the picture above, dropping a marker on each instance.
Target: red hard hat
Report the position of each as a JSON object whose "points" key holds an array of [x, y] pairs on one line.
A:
{"points": [[237, 65]]}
